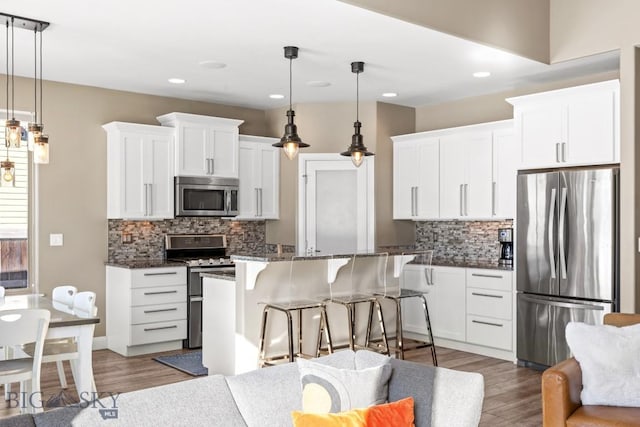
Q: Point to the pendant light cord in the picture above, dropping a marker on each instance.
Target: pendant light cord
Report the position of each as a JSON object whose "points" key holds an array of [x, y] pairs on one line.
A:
{"points": [[290, 83], [13, 74], [41, 111], [7, 74], [357, 96], [35, 75]]}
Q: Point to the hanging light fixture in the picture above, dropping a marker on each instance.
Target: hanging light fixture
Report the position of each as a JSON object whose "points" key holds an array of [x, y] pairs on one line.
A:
{"points": [[35, 128], [13, 132], [40, 140], [290, 142], [357, 150]]}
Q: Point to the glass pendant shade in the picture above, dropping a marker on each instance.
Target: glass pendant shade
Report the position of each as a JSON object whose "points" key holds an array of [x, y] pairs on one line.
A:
{"points": [[13, 132], [41, 150], [35, 131], [8, 173]]}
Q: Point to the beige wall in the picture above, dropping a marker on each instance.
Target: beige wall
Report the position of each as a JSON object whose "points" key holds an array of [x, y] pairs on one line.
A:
{"points": [[72, 188], [392, 120], [518, 26]]}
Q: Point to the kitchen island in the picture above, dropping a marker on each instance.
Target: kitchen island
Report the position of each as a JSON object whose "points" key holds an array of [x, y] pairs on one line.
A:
{"points": [[232, 309]]}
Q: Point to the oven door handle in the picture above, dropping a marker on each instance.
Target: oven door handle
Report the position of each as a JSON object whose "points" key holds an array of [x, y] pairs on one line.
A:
{"points": [[195, 299], [201, 269]]}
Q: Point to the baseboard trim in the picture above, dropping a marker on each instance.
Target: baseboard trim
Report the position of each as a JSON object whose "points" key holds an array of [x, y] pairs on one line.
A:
{"points": [[100, 343]]}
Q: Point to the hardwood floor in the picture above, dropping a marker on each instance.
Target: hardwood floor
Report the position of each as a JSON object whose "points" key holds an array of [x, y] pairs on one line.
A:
{"points": [[512, 393]]}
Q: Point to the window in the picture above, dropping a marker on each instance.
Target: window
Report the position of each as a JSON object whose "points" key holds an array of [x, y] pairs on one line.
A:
{"points": [[14, 216]]}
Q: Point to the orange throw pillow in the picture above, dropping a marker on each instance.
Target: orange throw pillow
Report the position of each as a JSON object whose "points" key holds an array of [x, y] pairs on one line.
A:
{"points": [[396, 414]]}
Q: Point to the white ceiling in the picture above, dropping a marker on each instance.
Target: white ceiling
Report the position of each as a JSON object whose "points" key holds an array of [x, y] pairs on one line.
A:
{"points": [[137, 45]]}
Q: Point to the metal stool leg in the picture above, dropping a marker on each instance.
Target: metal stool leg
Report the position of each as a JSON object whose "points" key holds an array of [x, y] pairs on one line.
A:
{"points": [[324, 329], [369, 322], [263, 329], [433, 344], [382, 328], [290, 334], [299, 331], [399, 329]]}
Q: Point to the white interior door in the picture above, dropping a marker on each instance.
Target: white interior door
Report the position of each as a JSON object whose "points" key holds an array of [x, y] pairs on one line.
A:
{"points": [[336, 210]]}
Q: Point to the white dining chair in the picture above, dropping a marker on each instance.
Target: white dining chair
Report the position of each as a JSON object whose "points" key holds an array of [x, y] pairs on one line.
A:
{"points": [[19, 327], [59, 350], [64, 294]]}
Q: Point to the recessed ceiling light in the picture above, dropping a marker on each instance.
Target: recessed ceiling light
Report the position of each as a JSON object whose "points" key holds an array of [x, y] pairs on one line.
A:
{"points": [[318, 83], [389, 94], [209, 63], [276, 96], [177, 81], [481, 74]]}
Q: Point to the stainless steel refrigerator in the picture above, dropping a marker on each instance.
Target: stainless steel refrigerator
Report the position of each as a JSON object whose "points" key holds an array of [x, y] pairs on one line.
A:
{"points": [[567, 259]]}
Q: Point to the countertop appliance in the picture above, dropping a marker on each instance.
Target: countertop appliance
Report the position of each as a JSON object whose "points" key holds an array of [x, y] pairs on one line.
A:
{"points": [[200, 253], [505, 237], [206, 196], [567, 257]]}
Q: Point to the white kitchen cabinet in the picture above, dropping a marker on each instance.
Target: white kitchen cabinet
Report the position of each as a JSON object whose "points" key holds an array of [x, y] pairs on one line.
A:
{"points": [[445, 300], [146, 309], [569, 127], [467, 175], [140, 160], [415, 177], [205, 146], [506, 155], [259, 164], [490, 308]]}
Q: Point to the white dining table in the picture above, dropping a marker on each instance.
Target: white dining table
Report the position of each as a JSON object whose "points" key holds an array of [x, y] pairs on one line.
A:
{"points": [[65, 323]]}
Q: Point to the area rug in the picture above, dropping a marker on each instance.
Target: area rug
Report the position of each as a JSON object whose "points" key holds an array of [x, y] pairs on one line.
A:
{"points": [[190, 363]]}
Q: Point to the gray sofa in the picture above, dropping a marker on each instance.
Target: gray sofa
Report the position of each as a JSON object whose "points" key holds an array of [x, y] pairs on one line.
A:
{"points": [[266, 397]]}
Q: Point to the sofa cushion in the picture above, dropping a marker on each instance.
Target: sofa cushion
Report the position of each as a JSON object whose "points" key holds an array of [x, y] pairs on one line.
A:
{"points": [[201, 401], [266, 397], [608, 358], [605, 416], [329, 389], [396, 414]]}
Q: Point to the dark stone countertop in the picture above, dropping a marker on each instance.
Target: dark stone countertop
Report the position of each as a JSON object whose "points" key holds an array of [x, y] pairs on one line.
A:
{"points": [[472, 264], [144, 263]]}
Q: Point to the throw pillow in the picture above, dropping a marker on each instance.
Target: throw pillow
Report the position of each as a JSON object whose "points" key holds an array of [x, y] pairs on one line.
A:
{"points": [[396, 414], [608, 358], [329, 389]]}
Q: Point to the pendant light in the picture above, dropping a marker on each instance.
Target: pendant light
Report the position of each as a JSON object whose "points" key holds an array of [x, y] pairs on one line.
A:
{"points": [[357, 150], [13, 132], [40, 140], [7, 167], [35, 128], [290, 142]]}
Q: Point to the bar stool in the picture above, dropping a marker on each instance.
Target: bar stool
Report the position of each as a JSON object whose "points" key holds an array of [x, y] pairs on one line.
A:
{"points": [[295, 303], [396, 293], [356, 295]]}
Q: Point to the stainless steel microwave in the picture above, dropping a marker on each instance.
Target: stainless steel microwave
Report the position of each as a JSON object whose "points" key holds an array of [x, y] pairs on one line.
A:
{"points": [[206, 196]]}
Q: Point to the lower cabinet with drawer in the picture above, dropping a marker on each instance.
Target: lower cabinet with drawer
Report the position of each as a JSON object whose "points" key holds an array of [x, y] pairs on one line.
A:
{"points": [[146, 309], [471, 309]]}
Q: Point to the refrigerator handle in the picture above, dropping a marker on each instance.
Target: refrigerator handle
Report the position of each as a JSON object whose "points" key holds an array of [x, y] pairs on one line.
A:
{"points": [[552, 255], [561, 228], [461, 200], [556, 303]]}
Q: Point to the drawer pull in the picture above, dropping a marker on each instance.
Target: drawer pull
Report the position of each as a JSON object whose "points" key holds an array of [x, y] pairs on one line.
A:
{"points": [[166, 273], [491, 276], [161, 310], [161, 293], [159, 328], [486, 295], [488, 323]]}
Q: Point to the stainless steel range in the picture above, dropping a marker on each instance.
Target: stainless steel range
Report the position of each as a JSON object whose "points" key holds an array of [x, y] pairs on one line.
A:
{"points": [[201, 253]]}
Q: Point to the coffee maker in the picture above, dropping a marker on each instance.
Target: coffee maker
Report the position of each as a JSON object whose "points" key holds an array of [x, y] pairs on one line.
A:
{"points": [[505, 237]]}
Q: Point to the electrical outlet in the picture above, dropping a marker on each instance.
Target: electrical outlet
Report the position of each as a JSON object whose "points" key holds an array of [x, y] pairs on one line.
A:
{"points": [[56, 240]]}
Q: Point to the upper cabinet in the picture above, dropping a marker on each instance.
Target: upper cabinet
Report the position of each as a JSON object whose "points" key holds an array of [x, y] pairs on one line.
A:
{"points": [[415, 177], [458, 173], [140, 161], [259, 178], [569, 127], [205, 146]]}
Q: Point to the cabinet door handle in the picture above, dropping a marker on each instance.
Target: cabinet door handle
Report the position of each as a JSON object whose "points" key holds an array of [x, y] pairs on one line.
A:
{"points": [[260, 194], [557, 152], [164, 273], [161, 293], [160, 328], [160, 310], [413, 201], [492, 276], [417, 201], [478, 294], [213, 167], [466, 199], [257, 202], [493, 198], [488, 323], [461, 200], [564, 151], [146, 200], [150, 204]]}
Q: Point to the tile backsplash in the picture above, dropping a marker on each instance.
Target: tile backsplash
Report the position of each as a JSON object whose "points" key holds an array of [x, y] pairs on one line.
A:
{"points": [[145, 239], [461, 240]]}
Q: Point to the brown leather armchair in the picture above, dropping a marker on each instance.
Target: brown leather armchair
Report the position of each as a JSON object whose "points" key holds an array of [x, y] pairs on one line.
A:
{"points": [[561, 386]]}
